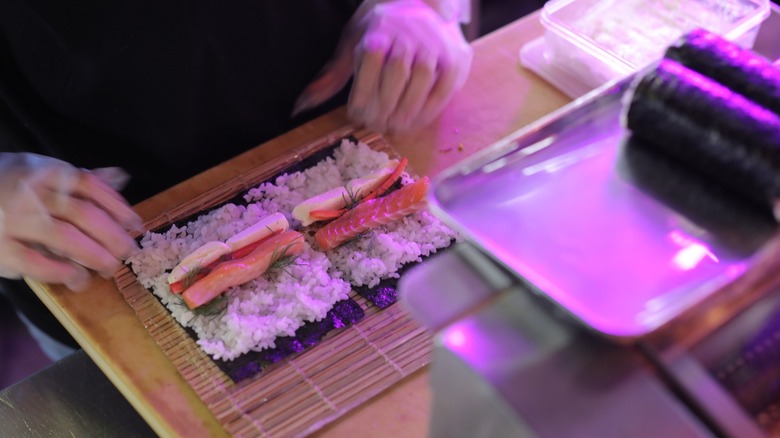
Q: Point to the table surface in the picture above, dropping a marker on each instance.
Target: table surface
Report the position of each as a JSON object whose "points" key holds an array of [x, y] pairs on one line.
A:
{"points": [[499, 98]]}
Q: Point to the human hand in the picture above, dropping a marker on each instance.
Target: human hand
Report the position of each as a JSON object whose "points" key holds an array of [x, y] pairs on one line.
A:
{"points": [[408, 60], [58, 222]]}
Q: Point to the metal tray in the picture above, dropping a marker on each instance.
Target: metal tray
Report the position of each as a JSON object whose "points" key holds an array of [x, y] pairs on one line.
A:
{"points": [[621, 239]]}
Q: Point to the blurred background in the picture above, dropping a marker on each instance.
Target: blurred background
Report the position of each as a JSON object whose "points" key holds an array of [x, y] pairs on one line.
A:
{"points": [[496, 13]]}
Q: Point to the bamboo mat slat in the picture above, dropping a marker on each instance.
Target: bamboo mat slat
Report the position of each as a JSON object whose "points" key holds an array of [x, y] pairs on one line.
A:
{"points": [[306, 391]]}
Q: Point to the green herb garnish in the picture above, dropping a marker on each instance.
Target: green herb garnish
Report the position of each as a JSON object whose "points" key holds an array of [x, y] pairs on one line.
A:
{"points": [[212, 310], [281, 260], [353, 200], [190, 277]]}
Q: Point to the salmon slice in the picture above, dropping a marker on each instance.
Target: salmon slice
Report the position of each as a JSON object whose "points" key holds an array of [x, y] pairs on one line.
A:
{"points": [[239, 271], [373, 213]]}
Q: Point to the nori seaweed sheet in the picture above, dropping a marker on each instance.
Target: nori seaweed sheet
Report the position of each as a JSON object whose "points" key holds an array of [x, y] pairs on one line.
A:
{"points": [[382, 295], [343, 313], [721, 134], [739, 69], [386, 292]]}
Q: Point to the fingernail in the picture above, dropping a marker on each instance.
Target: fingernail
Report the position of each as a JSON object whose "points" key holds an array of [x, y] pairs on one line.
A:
{"points": [[302, 104], [115, 177], [132, 250], [139, 227], [135, 223], [131, 243], [109, 274]]}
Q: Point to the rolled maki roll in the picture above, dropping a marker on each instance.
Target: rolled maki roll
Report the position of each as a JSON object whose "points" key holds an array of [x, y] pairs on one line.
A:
{"points": [[710, 129], [739, 69]]}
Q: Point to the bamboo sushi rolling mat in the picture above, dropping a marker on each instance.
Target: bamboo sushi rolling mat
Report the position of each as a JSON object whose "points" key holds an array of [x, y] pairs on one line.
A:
{"points": [[307, 390]]}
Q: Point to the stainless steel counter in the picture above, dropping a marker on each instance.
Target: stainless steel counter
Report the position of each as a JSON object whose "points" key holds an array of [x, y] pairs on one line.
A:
{"points": [[70, 398]]}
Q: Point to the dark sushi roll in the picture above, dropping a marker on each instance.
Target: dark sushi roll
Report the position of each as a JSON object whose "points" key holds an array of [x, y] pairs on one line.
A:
{"points": [[710, 129], [734, 224], [739, 69]]}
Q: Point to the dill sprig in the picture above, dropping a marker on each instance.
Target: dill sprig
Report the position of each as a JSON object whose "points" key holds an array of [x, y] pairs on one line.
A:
{"points": [[371, 233], [281, 260], [190, 277], [212, 310], [353, 200]]}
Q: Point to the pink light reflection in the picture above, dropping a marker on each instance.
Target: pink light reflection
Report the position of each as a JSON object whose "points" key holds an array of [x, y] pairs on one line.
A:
{"points": [[455, 338], [691, 253]]}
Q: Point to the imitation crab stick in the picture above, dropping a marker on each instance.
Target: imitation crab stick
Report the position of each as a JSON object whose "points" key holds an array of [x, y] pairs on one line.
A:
{"points": [[376, 189], [373, 213], [337, 199], [239, 271], [334, 199], [370, 183], [203, 256], [243, 243], [198, 264]]}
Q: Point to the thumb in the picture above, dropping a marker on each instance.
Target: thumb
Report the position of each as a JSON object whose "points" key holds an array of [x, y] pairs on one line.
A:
{"points": [[330, 81]]}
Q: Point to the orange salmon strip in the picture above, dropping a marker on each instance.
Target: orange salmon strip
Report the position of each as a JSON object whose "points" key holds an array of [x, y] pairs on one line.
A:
{"points": [[239, 271], [373, 213]]}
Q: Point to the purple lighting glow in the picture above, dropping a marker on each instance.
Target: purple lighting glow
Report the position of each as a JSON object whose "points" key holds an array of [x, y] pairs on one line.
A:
{"points": [[455, 338]]}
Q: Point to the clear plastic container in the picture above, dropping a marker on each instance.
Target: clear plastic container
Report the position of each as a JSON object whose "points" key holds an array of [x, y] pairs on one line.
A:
{"points": [[602, 40]]}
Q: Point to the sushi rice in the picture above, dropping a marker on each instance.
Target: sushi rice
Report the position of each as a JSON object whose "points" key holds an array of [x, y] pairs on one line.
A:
{"points": [[278, 303]]}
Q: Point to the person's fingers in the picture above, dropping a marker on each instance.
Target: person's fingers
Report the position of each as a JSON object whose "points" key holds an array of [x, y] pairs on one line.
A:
{"points": [[115, 177], [92, 188], [370, 60], [393, 81], [384, 41], [423, 75], [93, 221], [438, 97], [330, 81], [68, 181], [58, 222], [31, 263], [62, 239]]}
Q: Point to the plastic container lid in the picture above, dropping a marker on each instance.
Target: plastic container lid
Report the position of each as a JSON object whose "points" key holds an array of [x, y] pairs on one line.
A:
{"points": [[626, 35]]}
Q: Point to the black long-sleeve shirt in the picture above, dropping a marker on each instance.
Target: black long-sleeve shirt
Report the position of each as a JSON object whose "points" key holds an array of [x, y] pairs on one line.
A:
{"points": [[163, 89]]}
